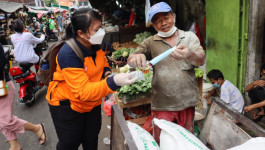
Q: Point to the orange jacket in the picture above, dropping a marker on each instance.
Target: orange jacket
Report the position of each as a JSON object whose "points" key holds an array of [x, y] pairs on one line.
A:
{"points": [[81, 83]]}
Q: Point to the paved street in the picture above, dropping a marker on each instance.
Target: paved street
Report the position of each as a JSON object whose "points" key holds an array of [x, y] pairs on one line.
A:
{"points": [[39, 112]]}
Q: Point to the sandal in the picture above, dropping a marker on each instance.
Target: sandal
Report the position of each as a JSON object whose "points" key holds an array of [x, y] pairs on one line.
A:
{"points": [[43, 133]]}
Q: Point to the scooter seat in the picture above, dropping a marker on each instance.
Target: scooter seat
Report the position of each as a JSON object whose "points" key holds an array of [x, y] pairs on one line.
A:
{"points": [[24, 64]]}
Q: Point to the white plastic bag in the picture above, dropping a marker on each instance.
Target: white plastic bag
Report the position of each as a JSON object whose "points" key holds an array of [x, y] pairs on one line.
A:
{"points": [[175, 137], [254, 143], [143, 139], [192, 28]]}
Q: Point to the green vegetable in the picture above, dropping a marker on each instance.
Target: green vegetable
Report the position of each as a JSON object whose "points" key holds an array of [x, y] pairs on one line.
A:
{"points": [[139, 87], [141, 36], [198, 72], [124, 52]]}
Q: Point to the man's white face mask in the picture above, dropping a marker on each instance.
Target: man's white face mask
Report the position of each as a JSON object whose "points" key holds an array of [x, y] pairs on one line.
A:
{"points": [[97, 38], [168, 33]]}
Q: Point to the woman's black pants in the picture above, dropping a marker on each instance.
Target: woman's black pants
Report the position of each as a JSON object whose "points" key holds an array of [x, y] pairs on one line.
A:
{"points": [[74, 128]]}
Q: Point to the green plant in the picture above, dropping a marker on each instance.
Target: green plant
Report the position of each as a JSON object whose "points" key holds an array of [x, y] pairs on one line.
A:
{"points": [[50, 2]]}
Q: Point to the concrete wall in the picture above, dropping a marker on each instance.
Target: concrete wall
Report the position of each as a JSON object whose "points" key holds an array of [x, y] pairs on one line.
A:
{"points": [[255, 40]]}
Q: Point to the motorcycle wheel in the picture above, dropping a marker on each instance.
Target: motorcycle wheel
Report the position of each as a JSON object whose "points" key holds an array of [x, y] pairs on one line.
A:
{"points": [[30, 98]]}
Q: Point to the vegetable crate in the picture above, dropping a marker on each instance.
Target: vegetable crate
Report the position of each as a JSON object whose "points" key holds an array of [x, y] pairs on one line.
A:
{"points": [[137, 111], [134, 98]]}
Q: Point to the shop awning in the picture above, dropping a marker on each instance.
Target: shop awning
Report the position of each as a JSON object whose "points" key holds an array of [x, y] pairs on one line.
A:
{"points": [[10, 7], [62, 7], [38, 8], [39, 13]]}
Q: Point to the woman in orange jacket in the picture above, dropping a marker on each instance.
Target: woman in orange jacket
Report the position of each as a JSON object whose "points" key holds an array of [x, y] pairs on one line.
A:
{"points": [[78, 86]]}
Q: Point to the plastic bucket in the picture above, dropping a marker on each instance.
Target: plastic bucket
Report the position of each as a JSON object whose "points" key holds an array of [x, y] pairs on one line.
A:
{"points": [[206, 88]]}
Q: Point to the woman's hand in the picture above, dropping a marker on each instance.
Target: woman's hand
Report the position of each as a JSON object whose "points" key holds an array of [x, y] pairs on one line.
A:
{"points": [[123, 79]]}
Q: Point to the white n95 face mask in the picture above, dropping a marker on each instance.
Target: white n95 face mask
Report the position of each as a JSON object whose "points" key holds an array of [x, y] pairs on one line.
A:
{"points": [[97, 38], [168, 33]]}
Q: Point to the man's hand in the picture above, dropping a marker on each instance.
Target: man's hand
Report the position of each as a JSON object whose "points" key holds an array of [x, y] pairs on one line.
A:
{"points": [[181, 52], [137, 60], [249, 108], [207, 96], [260, 83]]}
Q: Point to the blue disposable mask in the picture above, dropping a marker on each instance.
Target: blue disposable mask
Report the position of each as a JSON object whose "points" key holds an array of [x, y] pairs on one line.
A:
{"points": [[215, 85]]}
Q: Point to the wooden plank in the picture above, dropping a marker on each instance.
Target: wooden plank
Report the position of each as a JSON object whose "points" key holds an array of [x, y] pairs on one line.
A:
{"points": [[230, 136], [200, 84], [122, 105], [241, 118], [120, 138]]}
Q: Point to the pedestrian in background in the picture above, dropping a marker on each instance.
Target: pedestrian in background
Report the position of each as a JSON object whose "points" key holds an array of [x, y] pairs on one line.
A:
{"points": [[10, 125], [78, 86], [59, 20]]}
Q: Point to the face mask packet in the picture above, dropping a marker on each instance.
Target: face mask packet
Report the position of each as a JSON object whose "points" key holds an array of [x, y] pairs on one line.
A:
{"points": [[139, 75]]}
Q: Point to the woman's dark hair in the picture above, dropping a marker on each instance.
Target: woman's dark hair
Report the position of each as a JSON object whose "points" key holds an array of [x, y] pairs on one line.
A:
{"points": [[81, 20], [18, 26], [215, 74]]}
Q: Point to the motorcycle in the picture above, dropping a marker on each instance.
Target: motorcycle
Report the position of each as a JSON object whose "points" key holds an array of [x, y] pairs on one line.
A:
{"points": [[41, 46], [8, 56], [27, 80], [53, 35]]}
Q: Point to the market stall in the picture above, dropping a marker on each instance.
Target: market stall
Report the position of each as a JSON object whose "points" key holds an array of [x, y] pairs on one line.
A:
{"points": [[7, 10], [9, 7], [37, 11]]}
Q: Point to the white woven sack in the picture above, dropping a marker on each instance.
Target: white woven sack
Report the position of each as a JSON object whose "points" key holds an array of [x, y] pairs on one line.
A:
{"points": [[175, 137], [142, 138]]}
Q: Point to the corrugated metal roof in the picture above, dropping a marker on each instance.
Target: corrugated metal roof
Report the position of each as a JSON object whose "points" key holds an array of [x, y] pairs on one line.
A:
{"points": [[10, 7]]}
